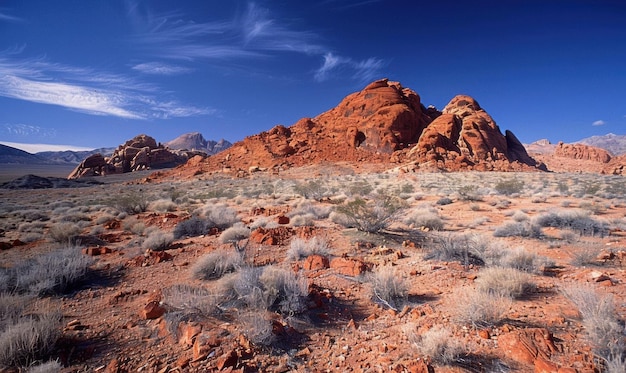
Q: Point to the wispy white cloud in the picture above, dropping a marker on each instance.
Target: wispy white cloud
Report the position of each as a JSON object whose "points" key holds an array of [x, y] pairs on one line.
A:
{"points": [[99, 102], [86, 90], [4, 17], [598, 123], [26, 130], [36, 148], [361, 71], [158, 68], [253, 33]]}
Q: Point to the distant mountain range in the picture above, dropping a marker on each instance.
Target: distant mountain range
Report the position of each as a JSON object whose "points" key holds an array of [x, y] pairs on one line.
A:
{"points": [[73, 157], [195, 141], [615, 144], [188, 141], [16, 156]]}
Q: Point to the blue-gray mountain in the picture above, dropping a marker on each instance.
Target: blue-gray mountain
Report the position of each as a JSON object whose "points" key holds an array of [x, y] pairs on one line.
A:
{"points": [[195, 141]]}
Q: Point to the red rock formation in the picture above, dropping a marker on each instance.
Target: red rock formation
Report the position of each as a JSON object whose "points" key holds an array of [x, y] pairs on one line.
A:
{"points": [[581, 151], [140, 153], [466, 137], [380, 124]]}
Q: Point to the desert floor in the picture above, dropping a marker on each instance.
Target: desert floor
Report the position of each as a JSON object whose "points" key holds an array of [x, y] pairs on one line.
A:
{"points": [[479, 272]]}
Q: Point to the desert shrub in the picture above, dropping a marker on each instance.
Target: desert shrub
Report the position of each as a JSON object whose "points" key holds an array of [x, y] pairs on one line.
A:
{"points": [[575, 220], [424, 218], [162, 205], [306, 220], [585, 255], [55, 271], [439, 345], [307, 208], [34, 227], [509, 187], [503, 281], [257, 328], [74, 217], [195, 226], [371, 216], [313, 189], [300, 248], [599, 318], [389, 287], [234, 235], [31, 215], [518, 229], [29, 338], [359, 188], [64, 233], [481, 309], [469, 193], [444, 201], [52, 366], [463, 248], [285, 290], [220, 216], [215, 265], [526, 261], [190, 299], [130, 202], [520, 216], [158, 241]]}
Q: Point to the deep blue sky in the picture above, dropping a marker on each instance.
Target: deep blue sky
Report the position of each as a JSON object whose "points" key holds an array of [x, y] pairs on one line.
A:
{"points": [[96, 73]]}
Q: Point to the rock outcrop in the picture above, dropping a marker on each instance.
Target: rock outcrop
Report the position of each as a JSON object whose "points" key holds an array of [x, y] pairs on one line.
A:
{"points": [[582, 152], [383, 123], [140, 153]]}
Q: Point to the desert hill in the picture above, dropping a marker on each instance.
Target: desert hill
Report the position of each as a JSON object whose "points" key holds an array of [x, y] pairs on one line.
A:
{"points": [[195, 141], [10, 155], [384, 123]]}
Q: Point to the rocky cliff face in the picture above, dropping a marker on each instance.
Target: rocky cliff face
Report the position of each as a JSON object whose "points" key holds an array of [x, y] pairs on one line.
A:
{"points": [[383, 123], [140, 153]]}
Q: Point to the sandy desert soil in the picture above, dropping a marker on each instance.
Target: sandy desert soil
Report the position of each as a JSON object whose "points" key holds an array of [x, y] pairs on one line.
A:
{"points": [[478, 282]]}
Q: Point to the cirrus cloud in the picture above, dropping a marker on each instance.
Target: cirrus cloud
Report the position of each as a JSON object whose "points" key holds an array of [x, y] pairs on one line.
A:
{"points": [[598, 123], [87, 90]]}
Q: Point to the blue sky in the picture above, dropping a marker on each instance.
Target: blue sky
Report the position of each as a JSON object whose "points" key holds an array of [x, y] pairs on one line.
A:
{"points": [[96, 73]]}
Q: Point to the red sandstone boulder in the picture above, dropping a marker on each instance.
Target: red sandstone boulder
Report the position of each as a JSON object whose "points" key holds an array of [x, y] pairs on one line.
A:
{"points": [[152, 310], [315, 262], [527, 345], [348, 266]]}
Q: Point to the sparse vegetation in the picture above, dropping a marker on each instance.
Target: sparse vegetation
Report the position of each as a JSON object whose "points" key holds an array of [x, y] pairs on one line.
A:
{"points": [[300, 248], [389, 287], [158, 241], [371, 216], [509, 186], [500, 281], [130, 202], [216, 264]]}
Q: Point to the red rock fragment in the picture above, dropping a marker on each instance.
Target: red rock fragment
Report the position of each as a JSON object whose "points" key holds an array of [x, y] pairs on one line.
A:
{"points": [[229, 359], [315, 262], [282, 219], [348, 267], [152, 310], [527, 345]]}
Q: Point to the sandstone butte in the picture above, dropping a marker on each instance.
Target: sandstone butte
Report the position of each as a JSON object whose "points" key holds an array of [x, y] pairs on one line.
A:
{"points": [[385, 124]]}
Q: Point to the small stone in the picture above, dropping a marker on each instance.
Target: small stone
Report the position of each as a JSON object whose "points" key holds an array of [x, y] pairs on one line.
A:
{"points": [[152, 310]]}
